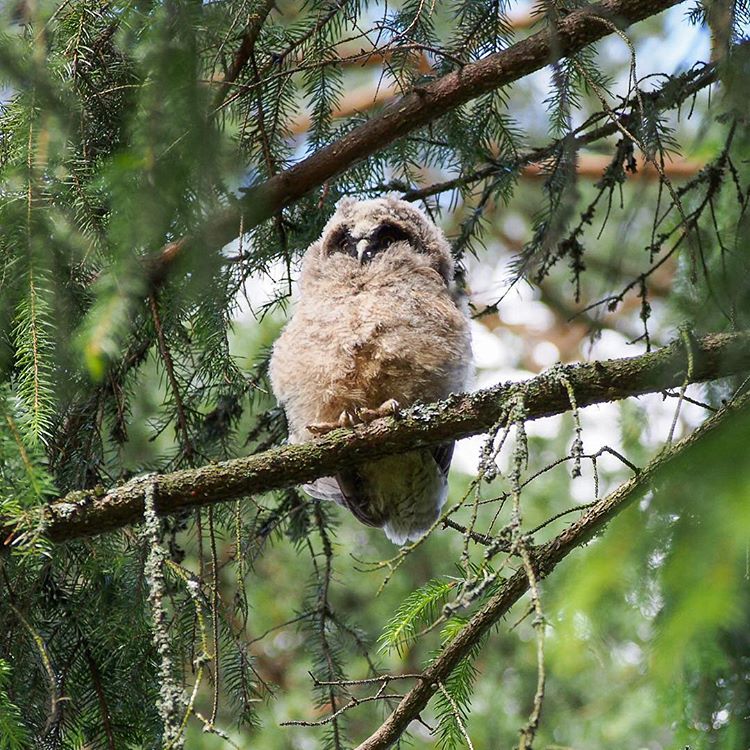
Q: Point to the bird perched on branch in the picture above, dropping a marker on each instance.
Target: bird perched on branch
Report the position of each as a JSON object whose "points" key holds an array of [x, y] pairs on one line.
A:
{"points": [[378, 325]]}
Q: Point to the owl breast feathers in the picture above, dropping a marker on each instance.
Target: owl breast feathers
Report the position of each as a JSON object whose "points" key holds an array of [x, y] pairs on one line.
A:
{"points": [[377, 319]]}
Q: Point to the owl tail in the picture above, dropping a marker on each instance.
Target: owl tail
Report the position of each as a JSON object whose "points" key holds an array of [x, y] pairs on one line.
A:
{"points": [[426, 489], [403, 494]]}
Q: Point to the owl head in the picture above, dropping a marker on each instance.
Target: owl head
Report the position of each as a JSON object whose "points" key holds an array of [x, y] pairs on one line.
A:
{"points": [[366, 237]]}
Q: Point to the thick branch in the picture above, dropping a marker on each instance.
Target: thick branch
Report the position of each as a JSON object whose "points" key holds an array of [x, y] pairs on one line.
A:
{"points": [[425, 104], [90, 512], [545, 559], [672, 94]]}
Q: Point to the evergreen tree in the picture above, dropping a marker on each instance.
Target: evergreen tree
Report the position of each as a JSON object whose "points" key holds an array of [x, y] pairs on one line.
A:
{"points": [[164, 582]]}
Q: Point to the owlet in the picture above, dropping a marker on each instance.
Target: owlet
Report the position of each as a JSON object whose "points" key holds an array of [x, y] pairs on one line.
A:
{"points": [[377, 325]]}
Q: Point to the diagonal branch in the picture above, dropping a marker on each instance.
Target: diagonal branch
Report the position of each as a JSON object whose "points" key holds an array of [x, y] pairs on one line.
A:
{"points": [[89, 512], [245, 50], [545, 559], [417, 108], [422, 105], [672, 94], [427, 103]]}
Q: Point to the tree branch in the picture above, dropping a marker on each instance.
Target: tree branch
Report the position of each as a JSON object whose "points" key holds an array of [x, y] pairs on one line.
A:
{"points": [[242, 56], [545, 559], [421, 106], [672, 94], [418, 108], [89, 512]]}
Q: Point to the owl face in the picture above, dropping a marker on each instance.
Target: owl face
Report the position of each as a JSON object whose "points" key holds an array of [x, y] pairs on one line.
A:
{"points": [[374, 240], [364, 238]]}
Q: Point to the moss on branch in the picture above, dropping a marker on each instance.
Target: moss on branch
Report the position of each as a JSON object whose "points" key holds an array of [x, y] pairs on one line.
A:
{"points": [[90, 512]]}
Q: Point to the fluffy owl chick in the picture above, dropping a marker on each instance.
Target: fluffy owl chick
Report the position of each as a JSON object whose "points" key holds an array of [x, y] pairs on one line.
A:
{"points": [[377, 320]]}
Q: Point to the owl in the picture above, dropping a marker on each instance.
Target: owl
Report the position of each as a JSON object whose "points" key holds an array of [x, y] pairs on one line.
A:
{"points": [[378, 325]]}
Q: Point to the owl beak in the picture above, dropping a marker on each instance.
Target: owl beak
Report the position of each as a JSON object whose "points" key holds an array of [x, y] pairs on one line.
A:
{"points": [[362, 254]]}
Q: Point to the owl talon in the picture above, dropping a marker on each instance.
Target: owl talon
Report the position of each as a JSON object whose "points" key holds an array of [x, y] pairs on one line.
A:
{"points": [[346, 419], [389, 408], [321, 428]]}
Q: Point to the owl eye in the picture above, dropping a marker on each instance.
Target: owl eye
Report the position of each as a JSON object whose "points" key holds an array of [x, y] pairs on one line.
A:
{"points": [[388, 234], [346, 244], [342, 242]]}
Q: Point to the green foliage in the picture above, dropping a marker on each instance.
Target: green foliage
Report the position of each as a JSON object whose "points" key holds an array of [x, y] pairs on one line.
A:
{"points": [[131, 341], [418, 610], [25, 482], [13, 734], [680, 558], [453, 709]]}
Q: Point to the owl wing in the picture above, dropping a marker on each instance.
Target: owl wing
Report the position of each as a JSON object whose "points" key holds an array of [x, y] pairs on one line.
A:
{"points": [[356, 498], [443, 454], [342, 489]]}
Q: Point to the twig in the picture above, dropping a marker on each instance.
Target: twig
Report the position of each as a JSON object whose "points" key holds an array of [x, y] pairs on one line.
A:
{"points": [[214, 612], [245, 51], [96, 679], [456, 714], [166, 356], [353, 702], [366, 680], [688, 84], [55, 698], [323, 609], [685, 337], [475, 536]]}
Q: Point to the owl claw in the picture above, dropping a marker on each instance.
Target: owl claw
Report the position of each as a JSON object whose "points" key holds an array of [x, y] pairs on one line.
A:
{"points": [[359, 415], [389, 408], [320, 428], [346, 419]]}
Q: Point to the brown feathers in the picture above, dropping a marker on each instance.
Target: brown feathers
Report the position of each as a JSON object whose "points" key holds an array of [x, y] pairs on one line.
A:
{"points": [[377, 319]]}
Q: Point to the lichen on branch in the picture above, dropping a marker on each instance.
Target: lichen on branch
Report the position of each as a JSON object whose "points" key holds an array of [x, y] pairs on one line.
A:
{"points": [[89, 512]]}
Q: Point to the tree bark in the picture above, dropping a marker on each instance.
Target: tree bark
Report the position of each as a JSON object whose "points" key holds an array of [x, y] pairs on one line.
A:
{"points": [[545, 559], [88, 512]]}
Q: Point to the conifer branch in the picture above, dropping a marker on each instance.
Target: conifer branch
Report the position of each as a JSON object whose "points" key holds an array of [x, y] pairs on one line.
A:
{"points": [[245, 50], [88, 512], [544, 559], [671, 95], [427, 103], [415, 109]]}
